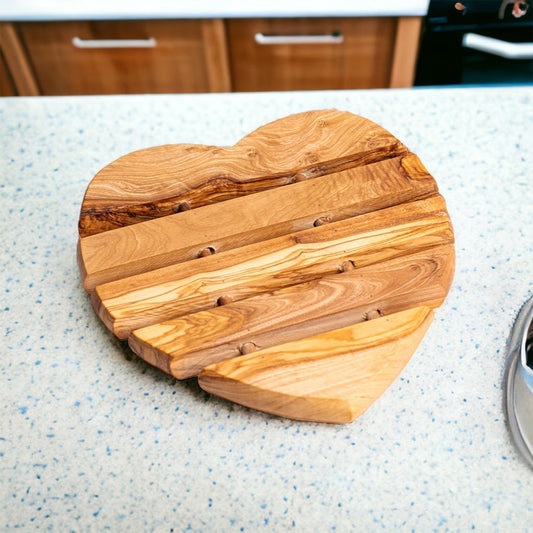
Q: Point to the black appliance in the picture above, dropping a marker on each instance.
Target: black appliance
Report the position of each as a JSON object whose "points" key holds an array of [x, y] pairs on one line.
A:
{"points": [[476, 43]]}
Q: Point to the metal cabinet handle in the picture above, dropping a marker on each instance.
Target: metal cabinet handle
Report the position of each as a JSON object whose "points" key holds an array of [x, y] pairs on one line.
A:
{"points": [[331, 38], [497, 47], [114, 43]]}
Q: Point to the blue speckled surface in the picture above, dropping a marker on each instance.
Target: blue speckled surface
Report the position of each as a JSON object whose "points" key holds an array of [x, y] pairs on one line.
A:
{"points": [[92, 438]]}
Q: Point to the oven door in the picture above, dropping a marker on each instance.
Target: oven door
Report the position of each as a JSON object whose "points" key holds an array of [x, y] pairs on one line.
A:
{"points": [[481, 45]]}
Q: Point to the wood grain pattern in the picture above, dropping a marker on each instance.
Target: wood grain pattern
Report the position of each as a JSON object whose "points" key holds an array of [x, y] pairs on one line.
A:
{"points": [[332, 377], [183, 346], [294, 272], [241, 221], [163, 180], [152, 297]]}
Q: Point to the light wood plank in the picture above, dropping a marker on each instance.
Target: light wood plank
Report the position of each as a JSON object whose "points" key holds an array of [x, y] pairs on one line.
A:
{"points": [[184, 346], [332, 377]]}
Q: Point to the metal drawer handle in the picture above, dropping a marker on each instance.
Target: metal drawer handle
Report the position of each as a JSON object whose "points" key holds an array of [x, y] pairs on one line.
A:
{"points": [[331, 38], [498, 48], [114, 43]]}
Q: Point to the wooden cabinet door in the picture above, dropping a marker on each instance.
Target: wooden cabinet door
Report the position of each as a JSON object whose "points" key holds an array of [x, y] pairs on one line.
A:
{"points": [[311, 53], [105, 57]]}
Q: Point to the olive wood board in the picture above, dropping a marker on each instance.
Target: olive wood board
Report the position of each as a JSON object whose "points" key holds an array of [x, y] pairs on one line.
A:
{"points": [[295, 272]]}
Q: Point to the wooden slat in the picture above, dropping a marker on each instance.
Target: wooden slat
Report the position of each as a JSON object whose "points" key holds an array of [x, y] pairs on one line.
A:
{"points": [[155, 296], [332, 377], [138, 248], [185, 345], [160, 181]]}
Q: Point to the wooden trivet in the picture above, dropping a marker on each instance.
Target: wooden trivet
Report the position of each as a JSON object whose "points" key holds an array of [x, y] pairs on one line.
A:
{"points": [[295, 272]]}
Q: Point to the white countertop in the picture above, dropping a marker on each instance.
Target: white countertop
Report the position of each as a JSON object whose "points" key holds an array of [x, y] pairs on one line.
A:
{"points": [[94, 439], [137, 9]]}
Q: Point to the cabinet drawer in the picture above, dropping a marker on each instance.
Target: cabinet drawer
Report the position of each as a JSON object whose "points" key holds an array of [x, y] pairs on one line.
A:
{"points": [[104, 57], [311, 53]]}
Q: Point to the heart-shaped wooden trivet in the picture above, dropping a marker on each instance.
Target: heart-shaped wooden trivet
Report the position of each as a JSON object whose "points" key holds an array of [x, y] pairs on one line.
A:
{"points": [[295, 272]]}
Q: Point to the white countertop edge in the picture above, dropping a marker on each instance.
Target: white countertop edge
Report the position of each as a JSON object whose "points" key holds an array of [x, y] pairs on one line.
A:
{"points": [[35, 10]]}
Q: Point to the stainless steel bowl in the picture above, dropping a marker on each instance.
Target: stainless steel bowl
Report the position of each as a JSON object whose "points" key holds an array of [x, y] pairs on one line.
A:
{"points": [[519, 382]]}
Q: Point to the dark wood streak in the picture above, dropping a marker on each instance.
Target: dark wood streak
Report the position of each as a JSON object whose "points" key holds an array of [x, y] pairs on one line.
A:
{"points": [[96, 219]]}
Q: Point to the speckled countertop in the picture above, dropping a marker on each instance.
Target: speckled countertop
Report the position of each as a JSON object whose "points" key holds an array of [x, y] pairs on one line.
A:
{"points": [[93, 439]]}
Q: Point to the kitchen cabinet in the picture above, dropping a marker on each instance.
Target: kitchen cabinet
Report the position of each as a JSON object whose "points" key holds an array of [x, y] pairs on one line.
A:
{"points": [[208, 55], [310, 53], [105, 57]]}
